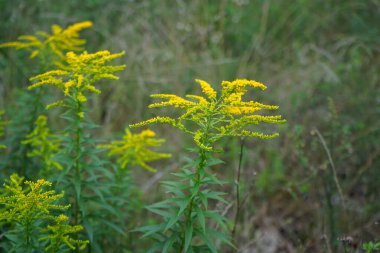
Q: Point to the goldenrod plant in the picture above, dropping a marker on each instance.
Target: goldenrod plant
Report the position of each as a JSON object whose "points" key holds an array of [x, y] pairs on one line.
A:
{"points": [[133, 150], [33, 219], [84, 176], [49, 50], [45, 146], [188, 223], [371, 246]]}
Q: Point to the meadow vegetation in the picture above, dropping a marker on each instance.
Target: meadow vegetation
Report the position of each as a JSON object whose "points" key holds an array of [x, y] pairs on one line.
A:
{"points": [[116, 137]]}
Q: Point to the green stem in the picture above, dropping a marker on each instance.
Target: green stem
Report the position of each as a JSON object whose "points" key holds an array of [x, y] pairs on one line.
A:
{"points": [[197, 180], [197, 185], [238, 190], [77, 169]]}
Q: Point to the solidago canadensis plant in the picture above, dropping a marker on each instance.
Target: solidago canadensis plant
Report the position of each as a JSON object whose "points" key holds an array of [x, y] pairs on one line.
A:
{"points": [[45, 146], [49, 49], [31, 215], [82, 168], [186, 215], [134, 149]]}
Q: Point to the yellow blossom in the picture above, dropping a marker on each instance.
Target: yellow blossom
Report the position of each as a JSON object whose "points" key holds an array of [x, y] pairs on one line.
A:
{"points": [[31, 205], [212, 117], [135, 149], [78, 76], [45, 145], [53, 45], [25, 205], [207, 89], [60, 233]]}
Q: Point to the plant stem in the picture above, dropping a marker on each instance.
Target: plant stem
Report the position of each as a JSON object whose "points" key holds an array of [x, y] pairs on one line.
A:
{"points": [[77, 169], [237, 183], [197, 185]]}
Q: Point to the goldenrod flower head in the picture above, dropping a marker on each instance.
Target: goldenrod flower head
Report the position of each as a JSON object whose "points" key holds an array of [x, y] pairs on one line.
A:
{"points": [[60, 233], [207, 89], [135, 149], [80, 74], [57, 43], [216, 116], [45, 145], [26, 203]]}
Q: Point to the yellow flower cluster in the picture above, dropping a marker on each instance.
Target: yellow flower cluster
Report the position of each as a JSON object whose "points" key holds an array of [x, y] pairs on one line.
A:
{"points": [[135, 149], [216, 116], [57, 43], [32, 204], [45, 144], [60, 232], [26, 205], [79, 75]]}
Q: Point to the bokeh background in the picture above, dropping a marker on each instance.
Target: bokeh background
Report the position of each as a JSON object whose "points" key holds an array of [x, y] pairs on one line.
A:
{"points": [[316, 188]]}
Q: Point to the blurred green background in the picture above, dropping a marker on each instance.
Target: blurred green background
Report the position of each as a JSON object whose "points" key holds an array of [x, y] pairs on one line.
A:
{"points": [[321, 62]]}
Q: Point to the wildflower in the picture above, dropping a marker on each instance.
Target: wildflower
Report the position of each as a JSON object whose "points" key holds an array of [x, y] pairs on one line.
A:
{"points": [[59, 233], [55, 44], [45, 145], [216, 116], [24, 205], [135, 149], [31, 206], [78, 77]]}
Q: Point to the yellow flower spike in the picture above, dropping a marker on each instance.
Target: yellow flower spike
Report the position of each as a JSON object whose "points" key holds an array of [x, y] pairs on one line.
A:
{"points": [[135, 149], [200, 99], [212, 117], [79, 75], [44, 144], [55, 104], [60, 233], [25, 204], [207, 89], [173, 100], [55, 44]]}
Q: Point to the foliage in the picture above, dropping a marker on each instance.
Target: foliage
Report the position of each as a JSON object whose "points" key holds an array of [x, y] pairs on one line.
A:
{"points": [[45, 145], [371, 246], [217, 117], [78, 152], [185, 212], [50, 48], [2, 127], [321, 61], [28, 209]]}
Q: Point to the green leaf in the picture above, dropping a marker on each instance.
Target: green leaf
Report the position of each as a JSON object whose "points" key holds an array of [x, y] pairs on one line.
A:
{"points": [[201, 219], [208, 242], [89, 230], [149, 230], [114, 227], [215, 195], [171, 222], [188, 235], [160, 212], [220, 236], [169, 243], [216, 217]]}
